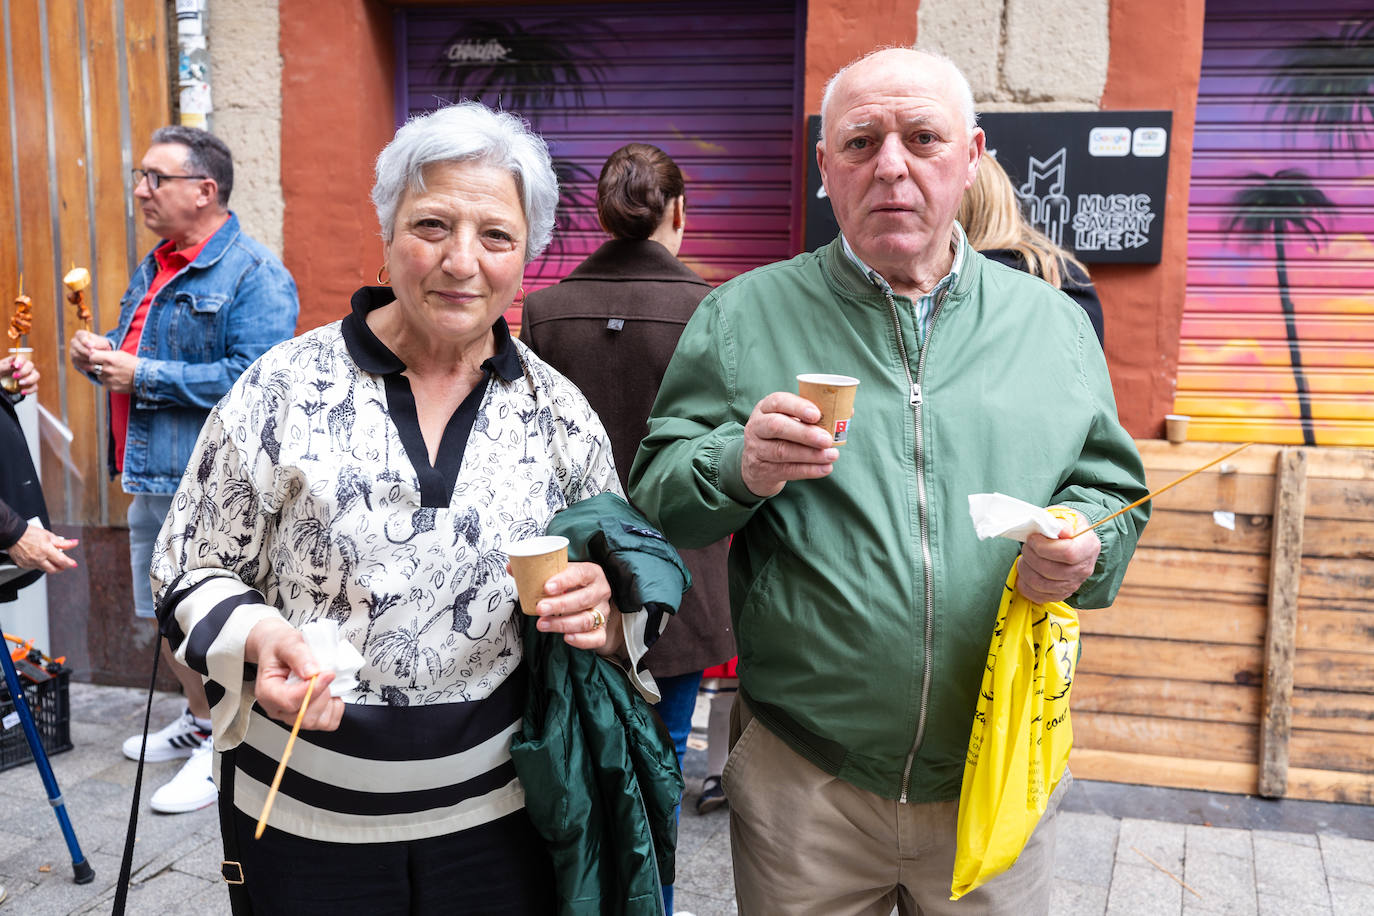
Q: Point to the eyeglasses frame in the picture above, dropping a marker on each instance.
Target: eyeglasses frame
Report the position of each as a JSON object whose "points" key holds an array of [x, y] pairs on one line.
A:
{"points": [[154, 182]]}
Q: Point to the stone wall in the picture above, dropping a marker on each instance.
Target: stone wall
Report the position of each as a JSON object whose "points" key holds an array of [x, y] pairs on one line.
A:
{"points": [[245, 73], [1014, 51]]}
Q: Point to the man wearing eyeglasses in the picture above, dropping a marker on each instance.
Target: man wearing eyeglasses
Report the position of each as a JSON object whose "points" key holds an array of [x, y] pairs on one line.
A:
{"points": [[202, 305]]}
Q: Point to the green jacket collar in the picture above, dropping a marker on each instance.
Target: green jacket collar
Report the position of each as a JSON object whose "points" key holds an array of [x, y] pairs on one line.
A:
{"points": [[846, 275]]}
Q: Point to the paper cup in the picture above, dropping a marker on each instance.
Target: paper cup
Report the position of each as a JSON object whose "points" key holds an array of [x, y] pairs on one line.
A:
{"points": [[7, 379], [834, 395], [533, 562], [1176, 428]]}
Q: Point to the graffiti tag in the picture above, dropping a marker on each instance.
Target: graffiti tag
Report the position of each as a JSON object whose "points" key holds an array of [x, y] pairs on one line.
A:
{"points": [[468, 51]]}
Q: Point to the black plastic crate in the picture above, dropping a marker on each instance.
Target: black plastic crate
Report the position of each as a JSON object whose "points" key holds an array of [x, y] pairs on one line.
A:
{"points": [[52, 714]]}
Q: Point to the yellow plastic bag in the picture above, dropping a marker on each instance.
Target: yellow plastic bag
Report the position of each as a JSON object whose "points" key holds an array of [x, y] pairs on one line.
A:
{"points": [[1021, 735]]}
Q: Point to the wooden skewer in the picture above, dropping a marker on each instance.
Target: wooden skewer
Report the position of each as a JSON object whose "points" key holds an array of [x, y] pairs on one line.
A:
{"points": [[1165, 870], [281, 767], [1150, 496]]}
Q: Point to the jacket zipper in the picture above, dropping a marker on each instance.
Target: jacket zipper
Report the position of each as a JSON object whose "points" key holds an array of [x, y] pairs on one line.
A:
{"points": [[653, 851], [916, 403]]}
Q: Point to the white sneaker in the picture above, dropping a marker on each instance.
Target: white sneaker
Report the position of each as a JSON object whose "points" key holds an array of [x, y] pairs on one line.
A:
{"points": [[179, 739], [193, 787]]}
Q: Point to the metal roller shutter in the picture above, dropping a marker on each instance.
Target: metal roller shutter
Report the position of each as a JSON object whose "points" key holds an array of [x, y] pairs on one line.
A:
{"points": [[714, 84], [1281, 226]]}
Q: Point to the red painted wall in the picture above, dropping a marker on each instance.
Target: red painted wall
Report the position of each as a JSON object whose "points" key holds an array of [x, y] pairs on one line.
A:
{"points": [[338, 63], [837, 31], [1156, 62]]}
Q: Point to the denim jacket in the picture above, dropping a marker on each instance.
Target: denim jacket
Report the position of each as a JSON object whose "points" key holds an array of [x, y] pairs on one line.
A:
{"points": [[204, 328]]}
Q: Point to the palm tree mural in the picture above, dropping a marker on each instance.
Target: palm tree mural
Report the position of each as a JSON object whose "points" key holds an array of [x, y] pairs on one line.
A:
{"points": [[524, 68], [1328, 82], [1283, 205]]}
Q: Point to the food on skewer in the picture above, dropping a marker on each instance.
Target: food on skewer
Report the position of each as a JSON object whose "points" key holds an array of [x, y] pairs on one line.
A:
{"points": [[22, 321], [76, 280]]}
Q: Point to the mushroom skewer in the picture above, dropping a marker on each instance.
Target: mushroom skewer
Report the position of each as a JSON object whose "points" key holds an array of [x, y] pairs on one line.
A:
{"points": [[77, 280]]}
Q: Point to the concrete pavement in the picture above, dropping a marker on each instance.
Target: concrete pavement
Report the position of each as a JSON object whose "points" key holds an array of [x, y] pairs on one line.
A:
{"points": [[1123, 850]]}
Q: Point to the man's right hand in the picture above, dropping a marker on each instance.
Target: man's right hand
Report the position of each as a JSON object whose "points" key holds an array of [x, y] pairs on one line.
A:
{"points": [[782, 442], [81, 347]]}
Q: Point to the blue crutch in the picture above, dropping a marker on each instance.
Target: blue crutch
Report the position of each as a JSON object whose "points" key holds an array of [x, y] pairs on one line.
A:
{"points": [[83, 873]]}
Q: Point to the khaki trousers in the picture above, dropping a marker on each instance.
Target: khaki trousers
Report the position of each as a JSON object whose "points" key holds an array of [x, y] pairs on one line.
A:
{"points": [[805, 843]]}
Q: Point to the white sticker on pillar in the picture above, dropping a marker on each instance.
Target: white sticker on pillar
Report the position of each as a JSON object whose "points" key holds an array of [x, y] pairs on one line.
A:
{"points": [[1109, 141], [1149, 142]]}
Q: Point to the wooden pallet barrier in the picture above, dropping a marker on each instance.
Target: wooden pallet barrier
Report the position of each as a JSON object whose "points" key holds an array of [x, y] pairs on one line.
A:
{"points": [[1239, 656]]}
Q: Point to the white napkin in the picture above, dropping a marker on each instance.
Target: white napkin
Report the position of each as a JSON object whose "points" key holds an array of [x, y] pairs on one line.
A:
{"points": [[998, 515], [332, 653]]}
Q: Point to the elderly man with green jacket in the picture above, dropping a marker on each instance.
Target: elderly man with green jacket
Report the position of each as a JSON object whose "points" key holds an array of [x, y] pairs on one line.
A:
{"points": [[863, 601]]}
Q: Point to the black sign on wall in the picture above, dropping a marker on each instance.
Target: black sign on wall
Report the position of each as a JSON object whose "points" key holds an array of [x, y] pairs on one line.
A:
{"points": [[1093, 181], [820, 219]]}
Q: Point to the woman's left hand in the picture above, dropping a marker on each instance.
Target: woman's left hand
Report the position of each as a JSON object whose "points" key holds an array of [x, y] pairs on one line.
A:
{"points": [[577, 603], [22, 370]]}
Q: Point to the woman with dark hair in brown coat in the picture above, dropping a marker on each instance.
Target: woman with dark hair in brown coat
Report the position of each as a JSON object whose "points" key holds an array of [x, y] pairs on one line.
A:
{"points": [[611, 327]]}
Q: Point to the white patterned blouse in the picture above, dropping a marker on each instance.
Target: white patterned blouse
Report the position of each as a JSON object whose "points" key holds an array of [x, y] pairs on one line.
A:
{"points": [[310, 495]]}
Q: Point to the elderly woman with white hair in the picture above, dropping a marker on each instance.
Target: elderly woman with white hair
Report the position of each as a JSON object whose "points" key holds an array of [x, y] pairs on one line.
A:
{"points": [[373, 472]]}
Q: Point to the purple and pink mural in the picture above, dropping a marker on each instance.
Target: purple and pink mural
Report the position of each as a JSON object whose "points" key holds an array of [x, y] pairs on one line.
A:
{"points": [[1277, 340], [714, 85]]}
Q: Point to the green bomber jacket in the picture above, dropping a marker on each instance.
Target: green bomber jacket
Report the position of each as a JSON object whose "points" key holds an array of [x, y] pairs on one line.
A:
{"points": [[599, 770], [863, 602]]}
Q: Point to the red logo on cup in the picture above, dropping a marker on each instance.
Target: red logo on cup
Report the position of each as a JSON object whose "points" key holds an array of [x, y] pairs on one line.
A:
{"points": [[841, 430]]}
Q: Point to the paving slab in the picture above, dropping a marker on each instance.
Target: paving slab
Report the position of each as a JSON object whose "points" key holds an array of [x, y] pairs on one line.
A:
{"points": [[1288, 867], [1351, 896], [1222, 841], [55, 894], [1074, 898], [1142, 890], [1161, 842], [709, 871], [1269, 905], [18, 890], [1350, 859], [203, 861], [1223, 884], [213, 902], [168, 892], [686, 902], [1085, 848]]}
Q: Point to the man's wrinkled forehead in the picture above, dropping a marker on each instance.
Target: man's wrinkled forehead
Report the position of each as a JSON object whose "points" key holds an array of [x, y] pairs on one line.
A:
{"points": [[911, 117], [921, 88]]}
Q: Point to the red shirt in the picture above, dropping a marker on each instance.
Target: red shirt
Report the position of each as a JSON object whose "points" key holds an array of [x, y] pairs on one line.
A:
{"points": [[169, 263]]}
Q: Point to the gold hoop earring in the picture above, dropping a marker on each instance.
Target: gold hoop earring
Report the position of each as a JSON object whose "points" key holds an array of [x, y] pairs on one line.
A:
{"points": [[519, 297], [383, 270]]}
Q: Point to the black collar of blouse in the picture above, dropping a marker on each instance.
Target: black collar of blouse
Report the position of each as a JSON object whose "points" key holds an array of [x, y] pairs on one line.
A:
{"points": [[373, 356]]}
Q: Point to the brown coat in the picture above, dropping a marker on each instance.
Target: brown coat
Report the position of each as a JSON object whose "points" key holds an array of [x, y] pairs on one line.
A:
{"points": [[611, 327]]}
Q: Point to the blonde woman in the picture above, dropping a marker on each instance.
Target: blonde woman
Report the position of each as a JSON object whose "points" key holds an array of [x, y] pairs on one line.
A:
{"points": [[991, 216]]}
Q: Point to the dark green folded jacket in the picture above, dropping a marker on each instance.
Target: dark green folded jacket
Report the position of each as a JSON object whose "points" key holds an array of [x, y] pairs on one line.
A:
{"points": [[600, 774]]}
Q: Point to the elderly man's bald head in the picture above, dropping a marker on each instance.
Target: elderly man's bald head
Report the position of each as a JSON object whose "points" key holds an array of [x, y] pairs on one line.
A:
{"points": [[963, 91]]}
